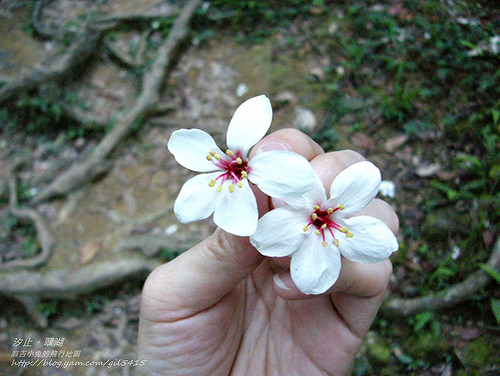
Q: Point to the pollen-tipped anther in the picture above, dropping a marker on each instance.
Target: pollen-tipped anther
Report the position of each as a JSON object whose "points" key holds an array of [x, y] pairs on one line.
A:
{"points": [[211, 183], [316, 207], [324, 244], [229, 152], [349, 234], [314, 216], [239, 184], [219, 188], [336, 242], [306, 227], [231, 188], [317, 232], [209, 157], [244, 174], [343, 229], [330, 210], [239, 160], [341, 207]]}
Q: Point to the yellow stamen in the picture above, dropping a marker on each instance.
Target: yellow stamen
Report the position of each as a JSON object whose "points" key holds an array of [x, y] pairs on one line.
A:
{"points": [[212, 153], [324, 244], [341, 207], [219, 188], [314, 216], [316, 207], [349, 234], [211, 183], [217, 156], [317, 232], [330, 210], [336, 242], [343, 229], [244, 174], [209, 157], [229, 152], [231, 188], [323, 226], [239, 161], [239, 184], [306, 227]]}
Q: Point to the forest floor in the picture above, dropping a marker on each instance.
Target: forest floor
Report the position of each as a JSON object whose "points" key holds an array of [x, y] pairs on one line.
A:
{"points": [[414, 88]]}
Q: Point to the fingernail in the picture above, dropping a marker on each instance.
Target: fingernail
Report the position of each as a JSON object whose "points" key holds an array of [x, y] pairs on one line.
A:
{"points": [[279, 282], [274, 145]]}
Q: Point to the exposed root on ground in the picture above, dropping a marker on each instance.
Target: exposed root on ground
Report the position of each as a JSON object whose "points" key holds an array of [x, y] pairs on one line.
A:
{"points": [[148, 98], [43, 234], [458, 293], [65, 65]]}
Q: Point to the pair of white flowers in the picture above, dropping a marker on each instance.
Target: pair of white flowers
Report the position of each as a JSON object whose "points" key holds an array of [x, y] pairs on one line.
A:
{"points": [[311, 228]]}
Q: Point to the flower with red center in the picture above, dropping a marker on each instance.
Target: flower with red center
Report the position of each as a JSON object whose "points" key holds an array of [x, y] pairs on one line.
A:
{"points": [[223, 187], [315, 231]]}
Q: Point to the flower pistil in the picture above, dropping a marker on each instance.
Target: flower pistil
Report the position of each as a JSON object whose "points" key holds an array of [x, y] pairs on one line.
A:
{"points": [[235, 169]]}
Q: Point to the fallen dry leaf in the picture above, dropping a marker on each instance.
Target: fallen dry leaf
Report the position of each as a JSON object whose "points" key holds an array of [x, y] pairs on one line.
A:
{"points": [[428, 170], [394, 143]]}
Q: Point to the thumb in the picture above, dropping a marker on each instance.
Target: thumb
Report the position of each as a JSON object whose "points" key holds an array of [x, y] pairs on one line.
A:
{"points": [[199, 277]]}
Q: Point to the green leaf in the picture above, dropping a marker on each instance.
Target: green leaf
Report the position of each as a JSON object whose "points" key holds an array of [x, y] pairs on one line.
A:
{"points": [[422, 319], [495, 308], [496, 115], [495, 274]]}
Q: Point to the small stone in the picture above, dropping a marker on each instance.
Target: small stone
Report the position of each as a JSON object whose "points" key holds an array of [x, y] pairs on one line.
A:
{"points": [[305, 119]]}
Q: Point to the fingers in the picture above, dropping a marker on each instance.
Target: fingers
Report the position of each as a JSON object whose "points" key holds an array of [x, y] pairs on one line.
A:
{"points": [[198, 278], [327, 166], [291, 140]]}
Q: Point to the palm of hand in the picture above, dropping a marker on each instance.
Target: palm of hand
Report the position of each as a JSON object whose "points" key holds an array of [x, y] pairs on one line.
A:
{"points": [[253, 331]]}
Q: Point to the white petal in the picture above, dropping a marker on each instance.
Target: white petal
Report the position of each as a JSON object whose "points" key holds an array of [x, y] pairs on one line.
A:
{"points": [[355, 187], [190, 148], [196, 199], [314, 196], [372, 240], [315, 268], [249, 124], [280, 232], [237, 212], [281, 173]]}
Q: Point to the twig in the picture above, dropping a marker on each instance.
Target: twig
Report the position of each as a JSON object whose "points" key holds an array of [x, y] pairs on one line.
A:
{"points": [[152, 84], [43, 233], [458, 293]]}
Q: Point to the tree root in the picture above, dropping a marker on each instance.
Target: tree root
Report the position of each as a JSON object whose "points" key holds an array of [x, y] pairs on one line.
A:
{"points": [[69, 283], [65, 65], [39, 30], [43, 234], [458, 293], [149, 96]]}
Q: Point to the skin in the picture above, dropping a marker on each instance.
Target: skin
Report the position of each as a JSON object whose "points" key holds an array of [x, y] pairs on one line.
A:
{"points": [[221, 308]]}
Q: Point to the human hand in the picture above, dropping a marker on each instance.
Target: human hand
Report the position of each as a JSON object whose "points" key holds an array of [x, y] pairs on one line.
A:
{"points": [[220, 309]]}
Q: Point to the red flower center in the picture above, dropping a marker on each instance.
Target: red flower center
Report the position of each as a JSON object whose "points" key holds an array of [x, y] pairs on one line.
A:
{"points": [[235, 169], [323, 221]]}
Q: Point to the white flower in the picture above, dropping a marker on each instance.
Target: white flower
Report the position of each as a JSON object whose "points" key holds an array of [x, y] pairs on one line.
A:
{"points": [[223, 188], [316, 231]]}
